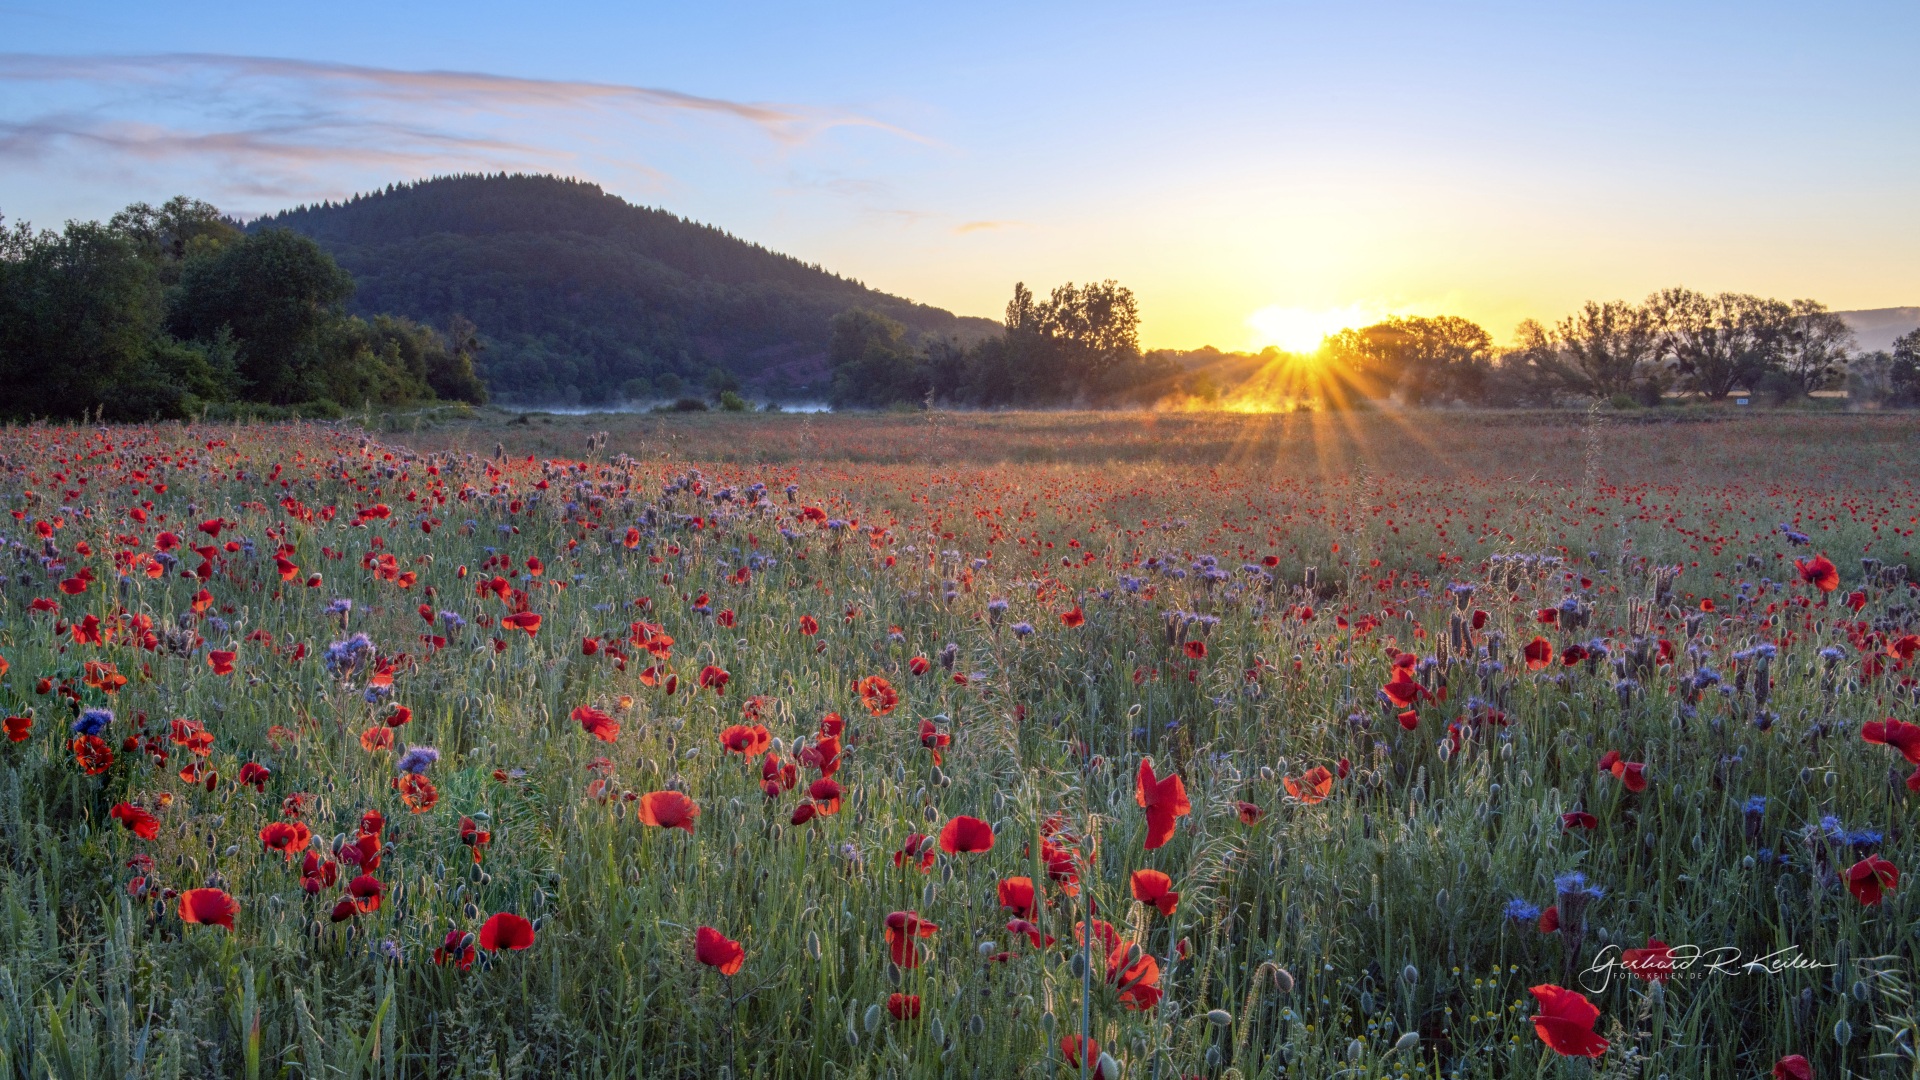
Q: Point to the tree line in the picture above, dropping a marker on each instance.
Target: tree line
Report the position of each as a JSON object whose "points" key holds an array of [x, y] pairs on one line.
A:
{"points": [[1080, 346], [166, 312]]}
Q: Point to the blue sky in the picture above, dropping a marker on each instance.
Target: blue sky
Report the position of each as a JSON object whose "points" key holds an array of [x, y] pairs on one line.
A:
{"points": [[1254, 172]]}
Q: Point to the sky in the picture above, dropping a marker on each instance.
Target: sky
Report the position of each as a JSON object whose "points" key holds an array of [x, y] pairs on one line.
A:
{"points": [[1256, 173]]}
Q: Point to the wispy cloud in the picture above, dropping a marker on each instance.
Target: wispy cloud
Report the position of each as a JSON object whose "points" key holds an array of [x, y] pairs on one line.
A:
{"points": [[267, 124]]}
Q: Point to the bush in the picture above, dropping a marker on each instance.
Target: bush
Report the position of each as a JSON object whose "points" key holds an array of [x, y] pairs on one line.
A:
{"points": [[732, 402], [685, 404]]}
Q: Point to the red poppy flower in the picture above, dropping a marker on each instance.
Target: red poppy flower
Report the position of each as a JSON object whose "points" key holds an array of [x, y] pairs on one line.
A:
{"points": [[365, 891], [255, 775], [1155, 888], [505, 930], [1869, 878], [1250, 814], [287, 838], [714, 679], [802, 814], [877, 694], [1016, 895], [1901, 736], [933, 739], [902, 928], [1792, 1067], [716, 950], [904, 1006], [92, 754], [208, 907], [1130, 970], [749, 741], [136, 820], [1409, 719], [1633, 774], [919, 665], [1164, 799], [1566, 1022], [1312, 787], [809, 626], [1401, 690], [1538, 653], [1653, 963], [917, 850], [1578, 819], [19, 728], [523, 620], [417, 792], [1196, 650], [1550, 919], [826, 793], [221, 661], [456, 950], [375, 739], [1025, 929], [823, 755], [668, 810], [596, 723], [1073, 618], [966, 834], [1077, 1049], [1819, 572]]}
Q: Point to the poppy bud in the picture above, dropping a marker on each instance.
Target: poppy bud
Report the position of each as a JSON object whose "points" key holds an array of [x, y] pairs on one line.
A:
{"points": [[872, 1020], [1843, 1033], [976, 1026], [1220, 1018], [1356, 1050], [813, 945], [1048, 1022], [1106, 1066], [1407, 1042], [1410, 975]]}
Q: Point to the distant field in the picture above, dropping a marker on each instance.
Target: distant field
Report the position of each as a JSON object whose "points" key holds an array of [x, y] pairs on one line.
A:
{"points": [[1459, 703], [1717, 445]]}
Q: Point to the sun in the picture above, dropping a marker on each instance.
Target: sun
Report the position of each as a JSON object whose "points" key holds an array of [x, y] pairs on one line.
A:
{"points": [[1300, 330]]}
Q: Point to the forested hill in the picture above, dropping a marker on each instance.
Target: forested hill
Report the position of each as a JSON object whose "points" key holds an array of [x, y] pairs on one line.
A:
{"points": [[582, 296]]}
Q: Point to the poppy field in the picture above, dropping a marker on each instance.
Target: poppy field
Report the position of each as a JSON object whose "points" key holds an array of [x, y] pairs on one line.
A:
{"points": [[1000, 747]]}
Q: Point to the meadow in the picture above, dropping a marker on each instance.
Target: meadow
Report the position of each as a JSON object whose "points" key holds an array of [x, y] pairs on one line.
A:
{"points": [[1448, 744]]}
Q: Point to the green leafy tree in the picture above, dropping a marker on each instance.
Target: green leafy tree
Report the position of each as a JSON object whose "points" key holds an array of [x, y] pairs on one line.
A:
{"points": [[1603, 350], [1813, 347], [872, 362], [80, 329], [1719, 343], [274, 292], [1423, 359]]}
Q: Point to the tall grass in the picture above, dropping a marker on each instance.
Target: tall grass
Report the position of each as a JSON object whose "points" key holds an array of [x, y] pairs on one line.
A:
{"points": [[1362, 936]]}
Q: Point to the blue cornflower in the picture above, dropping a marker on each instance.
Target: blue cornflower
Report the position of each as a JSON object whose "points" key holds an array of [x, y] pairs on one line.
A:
{"points": [[417, 758], [93, 722]]}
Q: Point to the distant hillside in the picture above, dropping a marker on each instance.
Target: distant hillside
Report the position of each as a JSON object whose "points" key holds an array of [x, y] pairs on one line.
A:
{"points": [[580, 296], [1876, 328]]}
